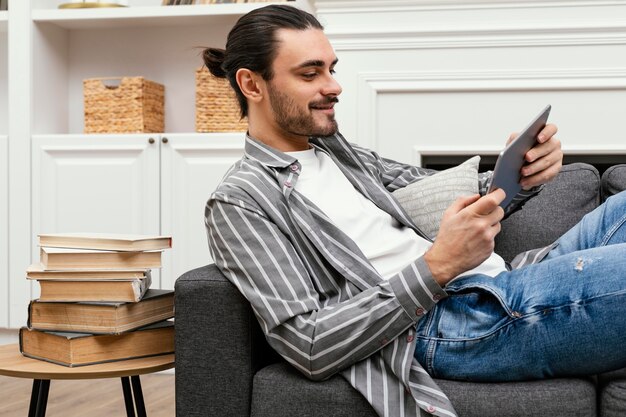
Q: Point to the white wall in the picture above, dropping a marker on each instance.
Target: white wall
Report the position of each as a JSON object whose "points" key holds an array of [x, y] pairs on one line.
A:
{"points": [[433, 76], [8, 336]]}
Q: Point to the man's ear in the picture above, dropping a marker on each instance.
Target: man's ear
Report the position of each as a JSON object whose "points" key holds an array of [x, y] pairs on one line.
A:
{"points": [[250, 84]]}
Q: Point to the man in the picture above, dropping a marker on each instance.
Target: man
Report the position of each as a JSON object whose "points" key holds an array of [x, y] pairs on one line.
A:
{"points": [[342, 281]]}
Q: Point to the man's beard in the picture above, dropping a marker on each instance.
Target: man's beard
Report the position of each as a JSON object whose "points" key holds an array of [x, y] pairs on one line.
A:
{"points": [[300, 122]]}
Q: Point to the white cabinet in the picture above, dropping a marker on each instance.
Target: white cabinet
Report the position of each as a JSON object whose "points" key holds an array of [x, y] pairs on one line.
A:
{"points": [[139, 184], [191, 167], [95, 183]]}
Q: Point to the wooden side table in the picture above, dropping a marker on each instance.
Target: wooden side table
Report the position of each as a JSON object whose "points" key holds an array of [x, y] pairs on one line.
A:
{"points": [[13, 363]]}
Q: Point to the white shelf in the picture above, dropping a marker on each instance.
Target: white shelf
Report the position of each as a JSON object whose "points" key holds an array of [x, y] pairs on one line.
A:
{"points": [[116, 17]]}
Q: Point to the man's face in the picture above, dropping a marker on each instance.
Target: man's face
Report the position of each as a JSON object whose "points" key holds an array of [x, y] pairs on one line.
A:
{"points": [[303, 91]]}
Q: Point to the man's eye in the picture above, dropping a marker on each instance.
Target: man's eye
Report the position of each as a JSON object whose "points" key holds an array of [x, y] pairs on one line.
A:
{"points": [[309, 74]]}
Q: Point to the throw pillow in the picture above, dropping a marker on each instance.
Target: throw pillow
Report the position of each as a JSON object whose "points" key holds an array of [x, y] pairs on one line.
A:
{"points": [[426, 200]]}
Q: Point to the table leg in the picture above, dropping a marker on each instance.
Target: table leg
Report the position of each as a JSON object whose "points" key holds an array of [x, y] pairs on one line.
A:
{"points": [[34, 397], [128, 397], [138, 394], [37, 408]]}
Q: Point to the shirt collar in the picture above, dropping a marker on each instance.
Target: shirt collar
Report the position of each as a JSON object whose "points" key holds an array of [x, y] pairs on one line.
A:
{"points": [[266, 155], [257, 150]]}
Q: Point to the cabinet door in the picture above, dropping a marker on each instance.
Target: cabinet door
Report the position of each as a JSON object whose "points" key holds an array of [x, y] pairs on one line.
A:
{"points": [[4, 233], [95, 183], [191, 167]]}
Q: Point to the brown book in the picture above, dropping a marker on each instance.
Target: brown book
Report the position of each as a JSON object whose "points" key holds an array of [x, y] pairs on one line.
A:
{"points": [[60, 258], [77, 349], [101, 318], [100, 290], [115, 242], [36, 271]]}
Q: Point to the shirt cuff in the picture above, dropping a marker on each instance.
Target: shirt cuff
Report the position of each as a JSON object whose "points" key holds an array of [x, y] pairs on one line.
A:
{"points": [[416, 289]]}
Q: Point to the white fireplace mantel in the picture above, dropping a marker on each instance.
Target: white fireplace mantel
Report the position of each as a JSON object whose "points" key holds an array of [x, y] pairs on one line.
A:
{"points": [[435, 76]]}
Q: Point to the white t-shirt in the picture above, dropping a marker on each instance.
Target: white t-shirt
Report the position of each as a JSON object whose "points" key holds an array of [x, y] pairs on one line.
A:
{"points": [[386, 243]]}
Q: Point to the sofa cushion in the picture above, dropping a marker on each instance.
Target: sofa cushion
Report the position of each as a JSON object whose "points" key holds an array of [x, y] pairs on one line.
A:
{"points": [[559, 206], [613, 180], [612, 387], [426, 200], [280, 390], [550, 397]]}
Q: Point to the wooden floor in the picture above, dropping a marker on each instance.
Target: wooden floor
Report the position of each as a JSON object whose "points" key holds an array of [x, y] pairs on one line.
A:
{"points": [[93, 398]]}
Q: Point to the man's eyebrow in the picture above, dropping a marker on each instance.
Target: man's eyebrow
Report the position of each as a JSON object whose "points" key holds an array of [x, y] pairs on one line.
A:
{"points": [[316, 63]]}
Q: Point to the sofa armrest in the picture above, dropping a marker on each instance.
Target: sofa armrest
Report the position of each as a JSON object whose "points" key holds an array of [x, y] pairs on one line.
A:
{"points": [[217, 340]]}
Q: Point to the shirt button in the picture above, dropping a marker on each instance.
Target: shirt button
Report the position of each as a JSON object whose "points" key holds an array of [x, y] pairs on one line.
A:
{"points": [[437, 297], [384, 341], [410, 338], [419, 311], [431, 409], [294, 167], [287, 184]]}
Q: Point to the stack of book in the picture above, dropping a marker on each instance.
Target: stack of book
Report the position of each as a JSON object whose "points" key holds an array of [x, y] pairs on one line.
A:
{"points": [[96, 304]]}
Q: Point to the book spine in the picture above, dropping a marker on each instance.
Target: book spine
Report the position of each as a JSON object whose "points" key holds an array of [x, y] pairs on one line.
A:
{"points": [[30, 314]]}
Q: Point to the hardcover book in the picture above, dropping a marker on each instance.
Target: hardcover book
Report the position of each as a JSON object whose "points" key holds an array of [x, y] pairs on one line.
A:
{"points": [[101, 318], [36, 271], [78, 349], [102, 241], [100, 290], [61, 258]]}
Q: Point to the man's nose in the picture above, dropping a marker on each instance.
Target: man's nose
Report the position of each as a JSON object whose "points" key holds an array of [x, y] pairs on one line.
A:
{"points": [[332, 87]]}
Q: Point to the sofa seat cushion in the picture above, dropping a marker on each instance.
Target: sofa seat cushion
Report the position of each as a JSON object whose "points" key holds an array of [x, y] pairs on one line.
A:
{"points": [[280, 390], [562, 397], [559, 206]]}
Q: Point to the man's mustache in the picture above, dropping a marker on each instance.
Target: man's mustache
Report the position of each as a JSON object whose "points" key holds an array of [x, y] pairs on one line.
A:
{"points": [[325, 102]]}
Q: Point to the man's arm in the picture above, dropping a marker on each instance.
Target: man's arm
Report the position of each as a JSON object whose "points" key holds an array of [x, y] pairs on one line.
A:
{"points": [[317, 337]]}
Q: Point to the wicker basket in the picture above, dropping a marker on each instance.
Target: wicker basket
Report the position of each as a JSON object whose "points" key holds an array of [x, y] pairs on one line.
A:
{"points": [[217, 109], [136, 105]]}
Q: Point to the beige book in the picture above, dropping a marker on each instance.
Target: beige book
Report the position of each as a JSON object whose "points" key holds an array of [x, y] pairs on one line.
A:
{"points": [[102, 291], [77, 349], [101, 318], [116, 242], [36, 271], [61, 259]]}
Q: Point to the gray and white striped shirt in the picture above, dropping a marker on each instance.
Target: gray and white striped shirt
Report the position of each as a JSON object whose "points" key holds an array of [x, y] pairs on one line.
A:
{"points": [[320, 303]]}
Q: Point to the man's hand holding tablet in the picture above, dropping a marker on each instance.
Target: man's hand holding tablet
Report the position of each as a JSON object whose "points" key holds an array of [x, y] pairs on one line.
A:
{"points": [[507, 173]]}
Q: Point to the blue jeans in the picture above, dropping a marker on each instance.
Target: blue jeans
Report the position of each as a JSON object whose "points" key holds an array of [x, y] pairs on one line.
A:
{"points": [[563, 316]]}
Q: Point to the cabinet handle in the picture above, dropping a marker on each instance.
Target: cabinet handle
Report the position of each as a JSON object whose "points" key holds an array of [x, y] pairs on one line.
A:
{"points": [[151, 140], [165, 140]]}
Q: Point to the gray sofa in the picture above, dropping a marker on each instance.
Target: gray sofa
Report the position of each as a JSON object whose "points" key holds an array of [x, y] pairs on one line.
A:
{"points": [[225, 368]]}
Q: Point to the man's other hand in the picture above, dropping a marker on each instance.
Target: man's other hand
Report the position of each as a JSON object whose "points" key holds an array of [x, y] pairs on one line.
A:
{"points": [[544, 160], [466, 235]]}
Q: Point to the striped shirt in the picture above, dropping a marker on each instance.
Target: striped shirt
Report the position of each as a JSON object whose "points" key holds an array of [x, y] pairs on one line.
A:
{"points": [[321, 304]]}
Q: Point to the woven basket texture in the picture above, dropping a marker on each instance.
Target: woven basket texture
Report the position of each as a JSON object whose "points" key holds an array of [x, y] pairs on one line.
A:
{"points": [[136, 105], [217, 109]]}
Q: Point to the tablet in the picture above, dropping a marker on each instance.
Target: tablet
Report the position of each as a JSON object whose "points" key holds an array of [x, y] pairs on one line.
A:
{"points": [[506, 174]]}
